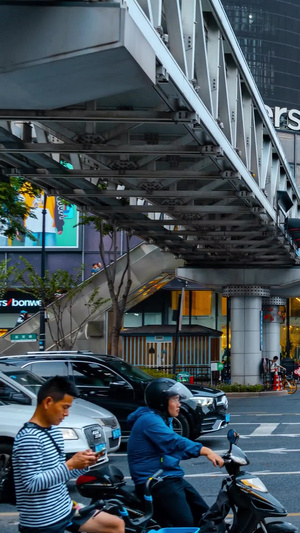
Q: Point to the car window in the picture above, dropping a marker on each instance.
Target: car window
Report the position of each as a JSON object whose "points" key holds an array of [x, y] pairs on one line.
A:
{"points": [[10, 395], [132, 372], [47, 369], [93, 375], [25, 378]]}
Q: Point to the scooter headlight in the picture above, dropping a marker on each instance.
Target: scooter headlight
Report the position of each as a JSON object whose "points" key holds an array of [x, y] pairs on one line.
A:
{"points": [[254, 483]]}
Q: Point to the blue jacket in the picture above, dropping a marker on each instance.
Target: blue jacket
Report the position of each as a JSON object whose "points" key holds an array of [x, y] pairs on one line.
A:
{"points": [[154, 445]]}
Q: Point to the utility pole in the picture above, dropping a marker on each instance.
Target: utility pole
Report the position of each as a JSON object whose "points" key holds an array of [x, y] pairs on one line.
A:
{"points": [[42, 340]]}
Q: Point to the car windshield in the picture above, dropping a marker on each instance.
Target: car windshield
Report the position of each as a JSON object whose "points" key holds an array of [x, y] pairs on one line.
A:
{"points": [[25, 378], [132, 372]]}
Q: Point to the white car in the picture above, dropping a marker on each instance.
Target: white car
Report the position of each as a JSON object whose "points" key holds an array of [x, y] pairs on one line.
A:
{"points": [[18, 385], [79, 433]]}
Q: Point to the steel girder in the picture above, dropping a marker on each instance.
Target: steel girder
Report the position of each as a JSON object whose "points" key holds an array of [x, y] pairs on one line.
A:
{"points": [[189, 162]]}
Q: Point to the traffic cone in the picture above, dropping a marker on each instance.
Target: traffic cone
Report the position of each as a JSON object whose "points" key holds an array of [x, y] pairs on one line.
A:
{"points": [[276, 380], [280, 382]]}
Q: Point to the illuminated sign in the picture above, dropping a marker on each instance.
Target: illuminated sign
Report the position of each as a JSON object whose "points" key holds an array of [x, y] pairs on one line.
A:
{"points": [[16, 301], [284, 118]]}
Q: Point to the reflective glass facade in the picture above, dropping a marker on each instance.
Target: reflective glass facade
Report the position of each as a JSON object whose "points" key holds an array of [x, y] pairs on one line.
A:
{"points": [[269, 34]]}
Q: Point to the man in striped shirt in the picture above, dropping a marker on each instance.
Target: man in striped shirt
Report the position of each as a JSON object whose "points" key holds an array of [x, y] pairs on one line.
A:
{"points": [[41, 471]]}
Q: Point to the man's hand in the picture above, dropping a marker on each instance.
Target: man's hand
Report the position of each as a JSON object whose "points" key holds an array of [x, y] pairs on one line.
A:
{"points": [[212, 456], [82, 460]]}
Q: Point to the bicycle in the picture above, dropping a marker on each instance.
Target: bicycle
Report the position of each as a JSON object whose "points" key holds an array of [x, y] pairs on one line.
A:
{"points": [[289, 384]]}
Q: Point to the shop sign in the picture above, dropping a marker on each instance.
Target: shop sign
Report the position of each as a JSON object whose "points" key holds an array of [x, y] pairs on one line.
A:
{"points": [[282, 117], [14, 302]]}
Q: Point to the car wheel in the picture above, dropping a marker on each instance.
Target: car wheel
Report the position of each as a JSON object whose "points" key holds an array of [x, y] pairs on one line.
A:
{"points": [[5, 448], [181, 425]]}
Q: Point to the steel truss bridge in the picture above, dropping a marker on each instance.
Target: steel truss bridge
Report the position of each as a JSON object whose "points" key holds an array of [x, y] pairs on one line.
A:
{"points": [[152, 106]]}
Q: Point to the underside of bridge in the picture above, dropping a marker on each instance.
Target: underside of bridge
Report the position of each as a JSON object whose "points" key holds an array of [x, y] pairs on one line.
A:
{"points": [[154, 107], [145, 113]]}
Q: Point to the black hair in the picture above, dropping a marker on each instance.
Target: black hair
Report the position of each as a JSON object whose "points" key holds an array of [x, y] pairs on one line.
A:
{"points": [[57, 387], [275, 357]]}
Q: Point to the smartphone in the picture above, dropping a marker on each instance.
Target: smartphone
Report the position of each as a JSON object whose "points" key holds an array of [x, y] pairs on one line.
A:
{"points": [[100, 450]]}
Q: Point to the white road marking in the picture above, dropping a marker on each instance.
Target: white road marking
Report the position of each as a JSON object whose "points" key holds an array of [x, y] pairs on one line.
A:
{"points": [[264, 450], [264, 429]]}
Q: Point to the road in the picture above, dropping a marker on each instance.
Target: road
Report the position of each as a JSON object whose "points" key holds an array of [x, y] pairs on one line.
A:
{"points": [[269, 431]]}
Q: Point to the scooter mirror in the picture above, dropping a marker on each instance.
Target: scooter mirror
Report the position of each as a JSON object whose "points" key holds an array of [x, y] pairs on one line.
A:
{"points": [[232, 436]]}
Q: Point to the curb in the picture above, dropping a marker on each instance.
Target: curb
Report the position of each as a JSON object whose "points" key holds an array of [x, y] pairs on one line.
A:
{"points": [[256, 394]]}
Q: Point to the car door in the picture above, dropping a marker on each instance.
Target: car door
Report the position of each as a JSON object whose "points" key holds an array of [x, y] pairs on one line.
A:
{"points": [[101, 385]]}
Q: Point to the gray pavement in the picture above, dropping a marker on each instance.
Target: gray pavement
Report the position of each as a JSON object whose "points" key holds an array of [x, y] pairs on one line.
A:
{"points": [[269, 429]]}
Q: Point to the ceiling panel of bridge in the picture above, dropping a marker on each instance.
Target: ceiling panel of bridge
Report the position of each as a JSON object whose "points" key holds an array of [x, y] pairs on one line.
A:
{"points": [[145, 168], [144, 159]]}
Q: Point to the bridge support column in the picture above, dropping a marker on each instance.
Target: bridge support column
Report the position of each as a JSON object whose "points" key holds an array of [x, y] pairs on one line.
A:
{"points": [[272, 321], [246, 305]]}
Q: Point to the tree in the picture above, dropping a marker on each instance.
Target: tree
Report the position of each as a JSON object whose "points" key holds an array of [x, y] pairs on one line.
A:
{"points": [[6, 273], [13, 209], [62, 290], [118, 286]]}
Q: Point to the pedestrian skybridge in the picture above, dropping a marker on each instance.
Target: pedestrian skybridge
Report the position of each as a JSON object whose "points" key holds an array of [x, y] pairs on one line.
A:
{"points": [[145, 113]]}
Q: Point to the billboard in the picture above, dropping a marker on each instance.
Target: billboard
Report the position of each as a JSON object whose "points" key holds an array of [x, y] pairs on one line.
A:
{"points": [[60, 224]]}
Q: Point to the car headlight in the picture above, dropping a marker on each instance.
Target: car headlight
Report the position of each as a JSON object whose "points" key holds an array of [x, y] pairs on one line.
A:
{"points": [[69, 434], [100, 421], [223, 400], [204, 401]]}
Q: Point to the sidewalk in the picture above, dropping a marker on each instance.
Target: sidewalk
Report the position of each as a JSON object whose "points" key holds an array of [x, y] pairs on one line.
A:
{"points": [[255, 394]]}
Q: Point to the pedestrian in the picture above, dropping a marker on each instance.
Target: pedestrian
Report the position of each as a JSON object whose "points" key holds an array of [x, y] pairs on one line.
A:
{"points": [[24, 315], [154, 445], [41, 470], [95, 269], [275, 364], [99, 265]]}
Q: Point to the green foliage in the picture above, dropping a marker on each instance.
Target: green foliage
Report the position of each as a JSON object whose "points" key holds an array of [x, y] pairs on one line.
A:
{"points": [[13, 209], [6, 272], [236, 387], [156, 373]]}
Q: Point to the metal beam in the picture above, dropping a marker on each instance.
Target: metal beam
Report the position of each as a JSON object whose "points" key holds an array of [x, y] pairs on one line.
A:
{"points": [[63, 148]]}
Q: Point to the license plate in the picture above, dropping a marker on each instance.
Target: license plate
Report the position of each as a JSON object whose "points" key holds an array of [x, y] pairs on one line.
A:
{"points": [[227, 418], [99, 447], [116, 433]]}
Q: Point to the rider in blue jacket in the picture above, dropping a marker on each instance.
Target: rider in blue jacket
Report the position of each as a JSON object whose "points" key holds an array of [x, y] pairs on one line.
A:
{"points": [[154, 445]]}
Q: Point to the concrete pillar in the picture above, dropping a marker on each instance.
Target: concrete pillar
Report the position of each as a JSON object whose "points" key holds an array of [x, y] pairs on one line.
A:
{"points": [[246, 332], [272, 321]]}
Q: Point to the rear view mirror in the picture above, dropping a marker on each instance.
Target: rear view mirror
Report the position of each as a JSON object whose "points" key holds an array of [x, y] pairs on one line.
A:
{"points": [[232, 436]]}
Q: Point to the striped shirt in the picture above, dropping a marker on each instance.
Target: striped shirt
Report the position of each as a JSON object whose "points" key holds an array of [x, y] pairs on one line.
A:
{"points": [[40, 475]]}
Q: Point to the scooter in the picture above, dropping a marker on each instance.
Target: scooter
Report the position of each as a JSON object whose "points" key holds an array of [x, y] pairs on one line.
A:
{"points": [[107, 483], [242, 493], [247, 497]]}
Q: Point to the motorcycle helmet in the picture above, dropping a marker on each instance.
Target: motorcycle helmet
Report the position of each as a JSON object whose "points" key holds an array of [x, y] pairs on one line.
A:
{"points": [[159, 391]]}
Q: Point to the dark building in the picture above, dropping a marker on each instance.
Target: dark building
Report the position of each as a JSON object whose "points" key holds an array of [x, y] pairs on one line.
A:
{"points": [[269, 34]]}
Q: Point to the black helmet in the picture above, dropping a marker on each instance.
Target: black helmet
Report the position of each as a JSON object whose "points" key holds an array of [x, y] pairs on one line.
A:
{"points": [[159, 391]]}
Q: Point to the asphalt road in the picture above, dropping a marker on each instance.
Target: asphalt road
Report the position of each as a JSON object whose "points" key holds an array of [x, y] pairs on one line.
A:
{"points": [[269, 429]]}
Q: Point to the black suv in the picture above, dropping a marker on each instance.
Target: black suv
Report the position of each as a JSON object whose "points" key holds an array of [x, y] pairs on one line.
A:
{"points": [[119, 387]]}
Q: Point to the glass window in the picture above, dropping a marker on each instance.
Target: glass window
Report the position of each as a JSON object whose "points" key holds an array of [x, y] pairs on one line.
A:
{"points": [[93, 375], [25, 378], [200, 302], [133, 320], [10, 395], [49, 369], [132, 372], [151, 319]]}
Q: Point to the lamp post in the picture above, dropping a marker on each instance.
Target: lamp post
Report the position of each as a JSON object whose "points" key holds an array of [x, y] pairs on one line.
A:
{"points": [[42, 339]]}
